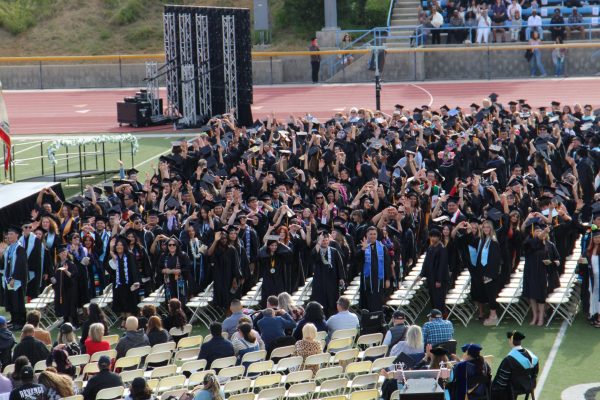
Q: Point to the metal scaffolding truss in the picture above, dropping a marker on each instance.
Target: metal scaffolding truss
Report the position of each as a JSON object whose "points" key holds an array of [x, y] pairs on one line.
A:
{"points": [[172, 64], [152, 87], [188, 88], [185, 39], [229, 63], [203, 63]]}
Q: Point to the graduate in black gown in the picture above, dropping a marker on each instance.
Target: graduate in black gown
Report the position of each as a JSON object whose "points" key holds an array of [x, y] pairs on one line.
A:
{"points": [[517, 372], [328, 278], [241, 259], [33, 248], [65, 285], [436, 271], [225, 266], [376, 271], [541, 260], [79, 257], [14, 277], [174, 266], [142, 260], [471, 378], [273, 259], [126, 279]]}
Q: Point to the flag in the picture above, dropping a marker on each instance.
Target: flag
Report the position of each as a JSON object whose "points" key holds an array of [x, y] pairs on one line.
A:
{"points": [[4, 129]]}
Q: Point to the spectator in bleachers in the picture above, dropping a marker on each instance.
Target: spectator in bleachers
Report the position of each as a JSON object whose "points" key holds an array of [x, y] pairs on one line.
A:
{"points": [[217, 347], [308, 345], [236, 335], [67, 337], [437, 330], [230, 324], [28, 390], [575, 21], [33, 318], [499, 16], [139, 390], [558, 59], [513, 8], [456, 35], [155, 331], [245, 342], [557, 19], [483, 24], [133, 338], [424, 21], [516, 25], [95, 316], [437, 20], [412, 345], [211, 389], [534, 5], [102, 380], [344, 319], [287, 304], [30, 347], [7, 342], [536, 59], [95, 343], [534, 24], [273, 326], [398, 331], [471, 25], [313, 315]]}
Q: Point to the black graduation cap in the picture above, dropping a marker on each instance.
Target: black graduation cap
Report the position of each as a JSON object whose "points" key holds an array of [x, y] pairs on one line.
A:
{"points": [[494, 215], [493, 97], [453, 199], [521, 101], [322, 228], [313, 150], [475, 106], [101, 218], [60, 248], [536, 222], [555, 103], [205, 151], [445, 107], [515, 335], [440, 351], [512, 103], [435, 231], [417, 110], [542, 108], [264, 196], [399, 106], [14, 228], [595, 232], [172, 203], [132, 171]]}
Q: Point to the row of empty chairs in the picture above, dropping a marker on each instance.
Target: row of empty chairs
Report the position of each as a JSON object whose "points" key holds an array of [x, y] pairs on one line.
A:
{"points": [[411, 297], [458, 299], [565, 300]]}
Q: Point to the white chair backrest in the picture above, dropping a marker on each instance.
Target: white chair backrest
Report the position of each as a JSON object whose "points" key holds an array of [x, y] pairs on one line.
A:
{"points": [[159, 348], [223, 362], [110, 393], [282, 352], [141, 351]]}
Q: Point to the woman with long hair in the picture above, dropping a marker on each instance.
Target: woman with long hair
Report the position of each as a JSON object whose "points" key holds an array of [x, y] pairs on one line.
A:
{"points": [[64, 283], [156, 333], [174, 267], [176, 317], [246, 342], [238, 335], [60, 359], [15, 377], [211, 389], [308, 345], [314, 315], [126, 279], [68, 338], [489, 262], [95, 342], [471, 377], [412, 346], [140, 390], [287, 304], [142, 260], [95, 316], [148, 311], [95, 270], [593, 258], [57, 385]]}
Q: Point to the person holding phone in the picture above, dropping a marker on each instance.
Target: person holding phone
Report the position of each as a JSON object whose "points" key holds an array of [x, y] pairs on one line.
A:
{"points": [[65, 285], [328, 280], [127, 280]]}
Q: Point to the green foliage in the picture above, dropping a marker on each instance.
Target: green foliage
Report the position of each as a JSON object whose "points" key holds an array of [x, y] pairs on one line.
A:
{"points": [[144, 36], [376, 12], [17, 16], [129, 12]]}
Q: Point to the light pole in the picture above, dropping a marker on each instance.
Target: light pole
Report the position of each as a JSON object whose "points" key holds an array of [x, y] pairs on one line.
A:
{"points": [[375, 51]]}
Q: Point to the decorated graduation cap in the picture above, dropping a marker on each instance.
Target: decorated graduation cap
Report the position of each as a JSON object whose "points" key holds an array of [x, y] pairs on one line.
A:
{"points": [[472, 349], [515, 335], [440, 351]]}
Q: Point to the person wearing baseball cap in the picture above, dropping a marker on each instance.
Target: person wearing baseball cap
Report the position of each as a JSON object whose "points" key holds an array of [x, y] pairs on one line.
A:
{"points": [[7, 341], [518, 371], [437, 330], [397, 332], [28, 390], [102, 380]]}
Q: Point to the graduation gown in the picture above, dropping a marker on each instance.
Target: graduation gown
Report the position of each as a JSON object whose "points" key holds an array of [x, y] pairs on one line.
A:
{"points": [[536, 275], [516, 375], [83, 281], [33, 247], [66, 290], [14, 266], [198, 265], [225, 267], [465, 378], [126, 274], [273, 269], [435, 269], [484, 290], [372, 289], [176, 287], [145, 271], [325, 284]]}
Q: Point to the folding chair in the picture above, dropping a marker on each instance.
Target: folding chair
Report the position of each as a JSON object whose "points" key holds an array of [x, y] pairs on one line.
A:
{"points": [[364, 382], [128, 376], [336, 345], [180, 332], [190, 341], [162, 347], [39, 366], [317, 360], [282, 352], [254, 356], [490, 360], [344, 357], [266, 381], [112, 354], [177, 393], [192, 366], [9, 369], [231, 372], [301, 390], [142, 351], [333, 386], [344, 333], [110, 393], [112, 339], [450, 345], [157, 359], [381, 363], [271, 394], [162, 372], [153, 384], [372, 394], [76, 397], [373, 353], [340, 397], [170, 382], [186, 355], [243, 396], [237, 386], [289, 363], [358, 368], [328, 373], [259, 367], [224, 362], [197, 378], [298, 376], [370, 340], [128, 362], [89, 369]]}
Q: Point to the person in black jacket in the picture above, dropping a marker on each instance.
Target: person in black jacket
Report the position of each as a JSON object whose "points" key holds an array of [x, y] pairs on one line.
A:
{"points": [[217, 347], [103, 380], [435, 269], [7, 341], [30, 347]]}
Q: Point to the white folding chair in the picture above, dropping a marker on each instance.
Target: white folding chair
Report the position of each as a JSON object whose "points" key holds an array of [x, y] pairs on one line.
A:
{"points": [[110, 393]]}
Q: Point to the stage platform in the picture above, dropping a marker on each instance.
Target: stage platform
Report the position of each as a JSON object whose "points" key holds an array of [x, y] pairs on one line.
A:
{"points": [[18, 199]]}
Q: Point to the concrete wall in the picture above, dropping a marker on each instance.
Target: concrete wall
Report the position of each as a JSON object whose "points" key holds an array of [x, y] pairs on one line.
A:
{"points": [[398, 68]]}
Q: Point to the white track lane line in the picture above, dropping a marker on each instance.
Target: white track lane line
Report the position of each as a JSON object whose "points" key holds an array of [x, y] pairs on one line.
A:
{"points": [[427, 92], [548, 364]]}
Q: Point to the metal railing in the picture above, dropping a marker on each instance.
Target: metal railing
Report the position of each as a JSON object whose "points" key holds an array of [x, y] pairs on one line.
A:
{"points": [[390, 12]]}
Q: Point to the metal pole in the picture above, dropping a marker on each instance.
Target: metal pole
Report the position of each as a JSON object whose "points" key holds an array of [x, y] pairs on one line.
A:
{"points": [[104, 160], [132, 161], [4, 152], [42, 155], [80, 171], [96, 154], [13, 177], [271, 69], [41, 77], [67, 153], [84, 159], [120, 152], [120, 73], [377, 80], [489, 72]]}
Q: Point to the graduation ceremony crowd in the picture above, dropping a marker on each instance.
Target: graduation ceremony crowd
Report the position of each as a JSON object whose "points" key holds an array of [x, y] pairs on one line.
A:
{"points": [[363, 194]]}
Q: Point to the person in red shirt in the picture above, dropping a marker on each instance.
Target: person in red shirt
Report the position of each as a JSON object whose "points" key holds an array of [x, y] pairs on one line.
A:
{"points": [[94, 342]]}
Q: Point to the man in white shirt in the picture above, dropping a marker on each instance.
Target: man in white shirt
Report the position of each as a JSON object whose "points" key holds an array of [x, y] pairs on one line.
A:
{"points": [[534, 23], [513, 8], [344, 319]]}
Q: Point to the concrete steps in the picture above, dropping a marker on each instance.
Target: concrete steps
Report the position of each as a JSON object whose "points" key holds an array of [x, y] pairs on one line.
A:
{"points": [[404, 13]]}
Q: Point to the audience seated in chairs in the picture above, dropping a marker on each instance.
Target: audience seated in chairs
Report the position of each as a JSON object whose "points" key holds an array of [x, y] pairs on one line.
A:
{"points": [[344, 319], [95, 343], [273, 326], [30, 347], [33, 318], [217, 347], [437, 329], [133, 338], [155, 331], [102, 380]]}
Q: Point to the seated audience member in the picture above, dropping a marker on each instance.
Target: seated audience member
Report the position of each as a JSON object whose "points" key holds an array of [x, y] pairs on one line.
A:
{"points": [[211, 390], [95, 343], [30, 347], [33, 318], [5, 385], [286, 303], [102, 380], [471, 377], [412, 346], [148, 311], [245, 342], [95, 316], [308, 345], [7, 342], [15, 377], [60, 359], [398, 330], [133, 338], [175, 318], [272, 303], [237, 335], [230, 324], [27, 390], [67, 337], [217, 347], [314, 315], [139, 390], [437, 330], [155, 331], [272, 327], [575, 23], [344, 319], [56, 385]]}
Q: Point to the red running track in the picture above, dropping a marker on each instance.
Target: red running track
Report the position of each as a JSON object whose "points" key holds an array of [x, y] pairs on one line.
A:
{"points": [[86, 111]]}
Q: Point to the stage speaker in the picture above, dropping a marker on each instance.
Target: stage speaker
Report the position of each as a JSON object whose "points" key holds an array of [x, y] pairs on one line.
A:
{"points": [[209, 62]]}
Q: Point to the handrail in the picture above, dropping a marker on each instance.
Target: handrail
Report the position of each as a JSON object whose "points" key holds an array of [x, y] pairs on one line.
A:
{"points": [[390, 11]]}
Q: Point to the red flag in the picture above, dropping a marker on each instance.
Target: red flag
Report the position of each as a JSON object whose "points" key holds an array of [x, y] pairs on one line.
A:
{"points": [[4, 130]]}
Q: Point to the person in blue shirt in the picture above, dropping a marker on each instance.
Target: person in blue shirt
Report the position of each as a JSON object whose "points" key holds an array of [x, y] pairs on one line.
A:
{"points": [[437, 330], [211, 390], [217, 347], [230, 324], [272, 327]]}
